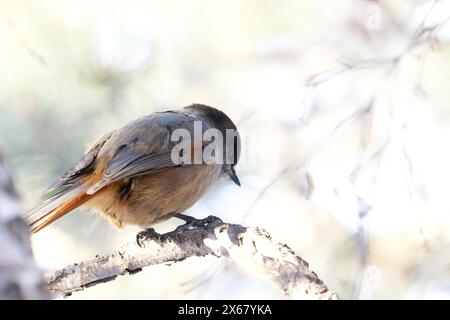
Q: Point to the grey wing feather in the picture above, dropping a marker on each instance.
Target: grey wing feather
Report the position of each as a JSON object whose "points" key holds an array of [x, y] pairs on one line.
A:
{"points": [[128, 164], [142, 147]]}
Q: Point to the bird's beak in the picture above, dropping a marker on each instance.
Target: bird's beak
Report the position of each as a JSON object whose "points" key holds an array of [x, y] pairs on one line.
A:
{"points": [[232, 174]]}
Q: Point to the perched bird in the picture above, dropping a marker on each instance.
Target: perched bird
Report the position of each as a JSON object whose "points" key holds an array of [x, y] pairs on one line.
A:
{"points": [[132, 175]]}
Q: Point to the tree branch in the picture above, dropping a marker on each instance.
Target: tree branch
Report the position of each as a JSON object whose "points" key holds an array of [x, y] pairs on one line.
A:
{"points": [[274, 261], [20, 278]]}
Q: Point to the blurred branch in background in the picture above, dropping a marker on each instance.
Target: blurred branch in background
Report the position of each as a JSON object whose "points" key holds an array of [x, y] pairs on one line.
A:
{"points": [[20, 278], [274, 261]]}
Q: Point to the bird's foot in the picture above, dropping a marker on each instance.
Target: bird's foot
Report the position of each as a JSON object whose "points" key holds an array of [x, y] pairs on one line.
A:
{"points": [[190, 222], [147, 234]]}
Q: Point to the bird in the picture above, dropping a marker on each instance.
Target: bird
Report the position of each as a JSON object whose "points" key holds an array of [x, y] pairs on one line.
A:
{"points": [[130, 175]]}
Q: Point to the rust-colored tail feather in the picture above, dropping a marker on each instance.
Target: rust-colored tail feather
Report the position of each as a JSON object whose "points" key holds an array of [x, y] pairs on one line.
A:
{"points": [[55, 208], [58, 212]]}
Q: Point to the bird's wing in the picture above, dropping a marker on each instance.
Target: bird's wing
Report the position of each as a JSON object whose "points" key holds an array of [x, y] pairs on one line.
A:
{"points": [[148, 151], [128, 164]]}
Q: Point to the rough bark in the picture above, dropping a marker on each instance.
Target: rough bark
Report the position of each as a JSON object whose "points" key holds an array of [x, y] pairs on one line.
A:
{"points": [[19, 276], [274, 261]]}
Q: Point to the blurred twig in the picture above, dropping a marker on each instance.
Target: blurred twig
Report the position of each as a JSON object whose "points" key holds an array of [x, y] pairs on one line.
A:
{"points": [[300, 161], [23, 42], [422, 35]]}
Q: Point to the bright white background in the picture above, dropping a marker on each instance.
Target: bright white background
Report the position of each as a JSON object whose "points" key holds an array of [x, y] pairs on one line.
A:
{"points": [[343, 106]]}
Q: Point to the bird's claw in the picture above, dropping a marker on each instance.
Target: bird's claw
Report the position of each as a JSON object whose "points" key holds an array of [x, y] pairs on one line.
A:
{"points": [[145, 235]]}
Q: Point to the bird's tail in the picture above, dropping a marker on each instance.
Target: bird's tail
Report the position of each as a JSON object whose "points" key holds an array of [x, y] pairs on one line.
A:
{"points": [[55, 207]]}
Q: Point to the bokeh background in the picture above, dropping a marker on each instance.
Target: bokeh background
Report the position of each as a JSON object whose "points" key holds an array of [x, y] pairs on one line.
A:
{"points": [[343, 106]]}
